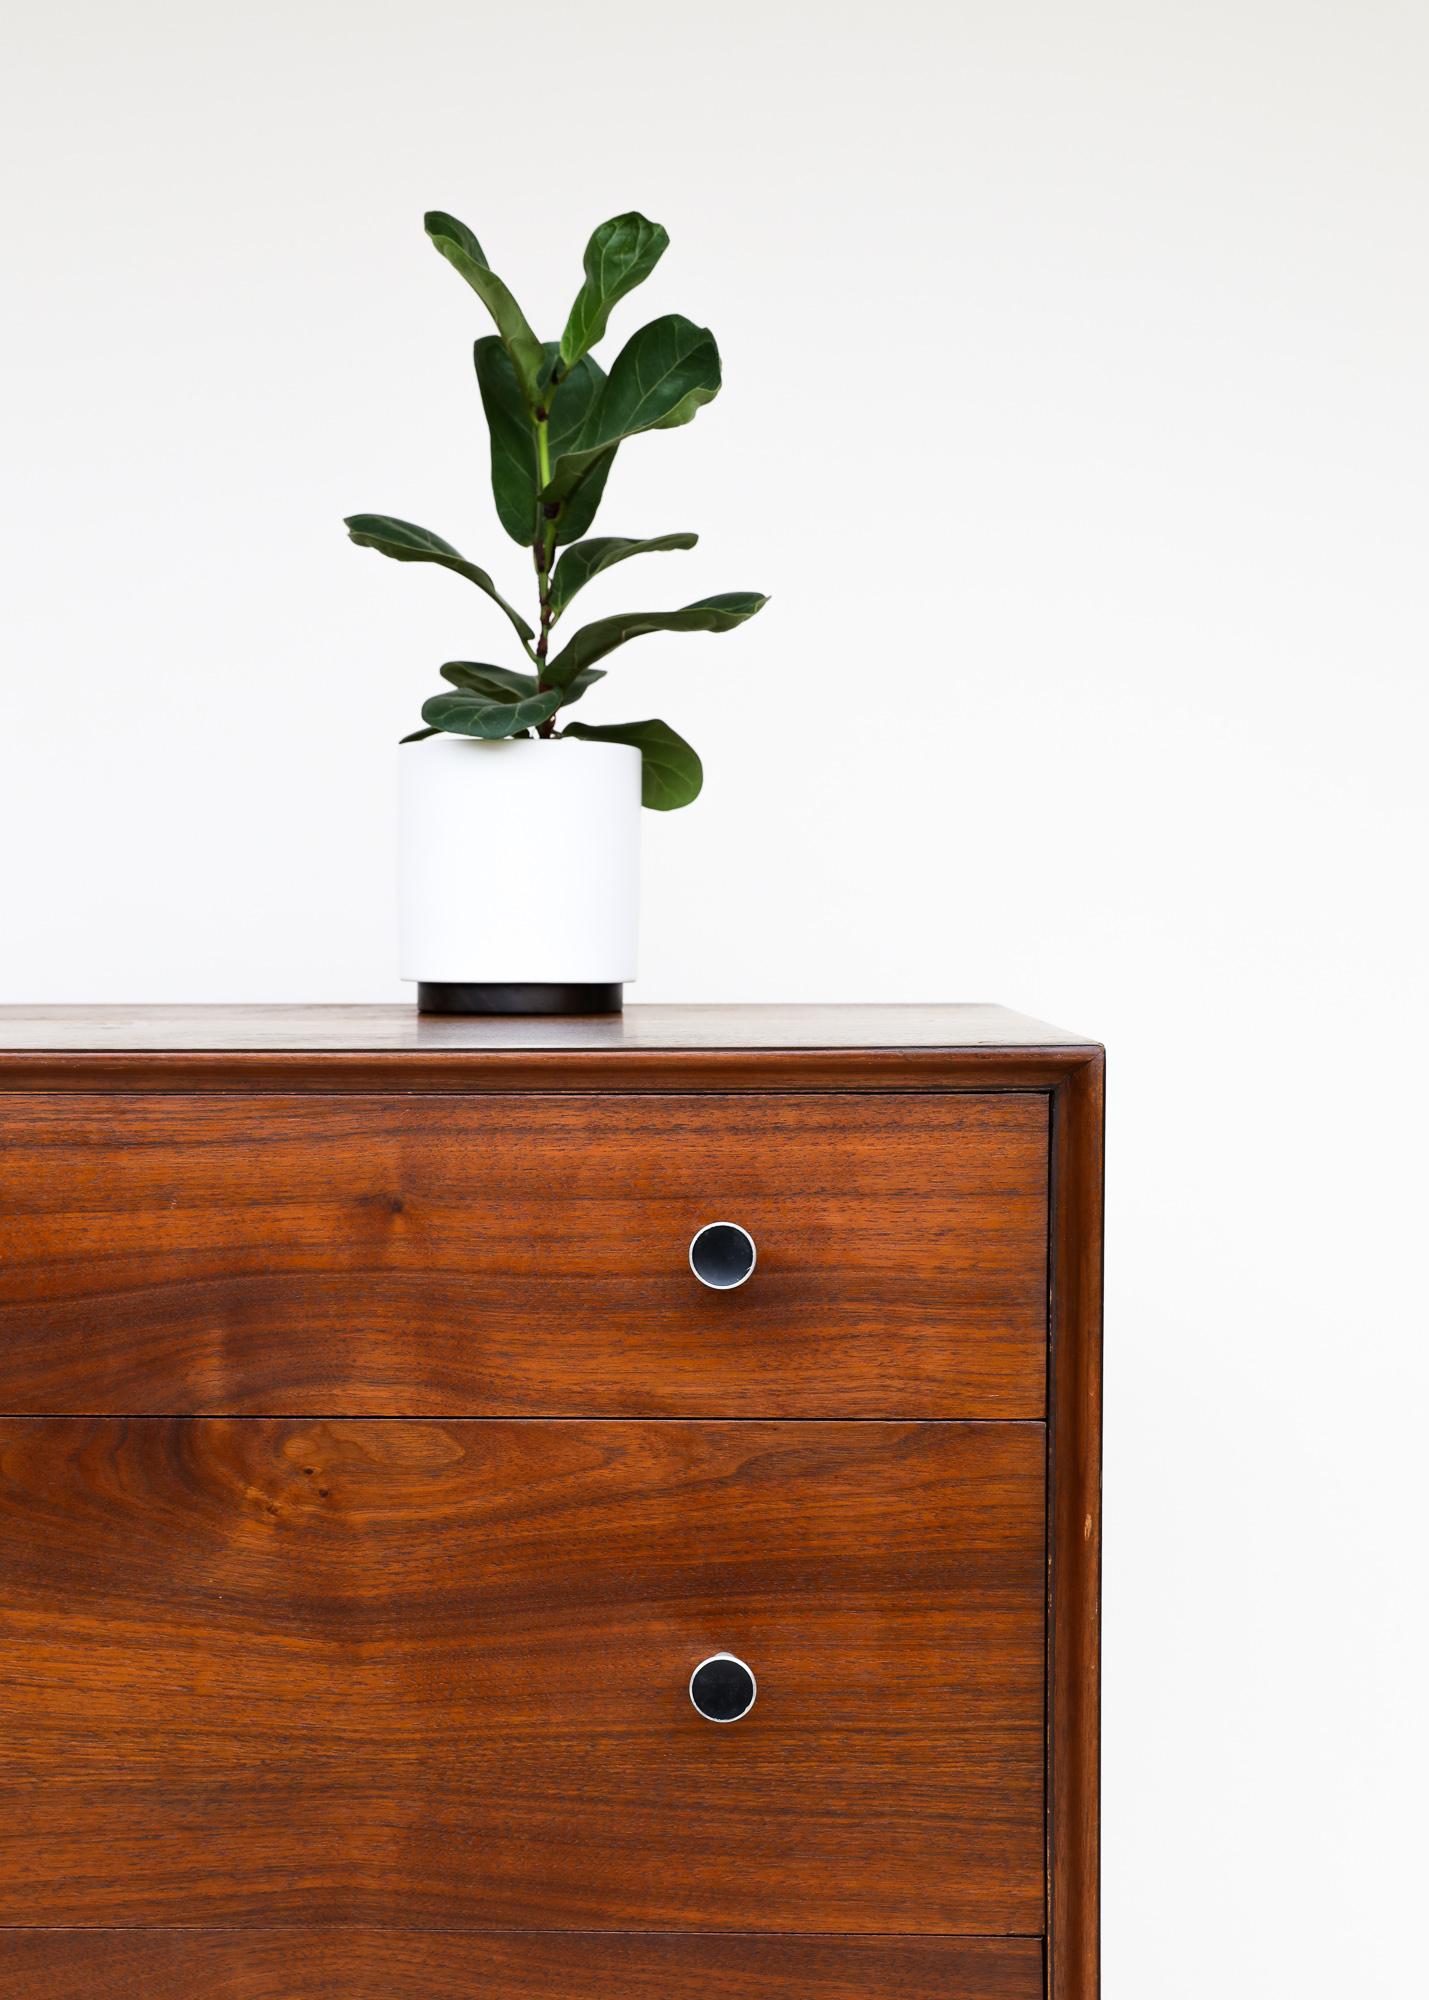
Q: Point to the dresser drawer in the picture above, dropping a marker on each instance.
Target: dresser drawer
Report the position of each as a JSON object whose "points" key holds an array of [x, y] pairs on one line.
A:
{"points": [[409, 1254], [353, 1963], [436, 1675]]}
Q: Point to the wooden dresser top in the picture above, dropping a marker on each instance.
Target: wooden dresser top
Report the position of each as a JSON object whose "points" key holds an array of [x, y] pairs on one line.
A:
{"points": [[399, 1030]]}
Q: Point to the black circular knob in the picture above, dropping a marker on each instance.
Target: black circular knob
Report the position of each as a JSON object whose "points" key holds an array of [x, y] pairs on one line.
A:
{"points": [[722, 1255], [722, 1688]]}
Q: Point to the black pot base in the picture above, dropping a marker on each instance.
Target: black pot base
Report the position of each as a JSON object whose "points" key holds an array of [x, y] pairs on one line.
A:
{"points": [[445, 996]]}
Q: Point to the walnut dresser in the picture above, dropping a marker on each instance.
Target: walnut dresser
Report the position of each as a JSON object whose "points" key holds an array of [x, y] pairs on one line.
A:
{"points": [[548, 1510]]}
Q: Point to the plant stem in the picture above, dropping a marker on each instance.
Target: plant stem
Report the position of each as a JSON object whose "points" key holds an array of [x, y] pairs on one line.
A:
{"points": [[543, 549]]}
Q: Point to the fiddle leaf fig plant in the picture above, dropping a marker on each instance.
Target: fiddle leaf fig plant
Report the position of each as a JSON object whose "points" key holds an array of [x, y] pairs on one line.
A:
{"points": [[556, 420]]}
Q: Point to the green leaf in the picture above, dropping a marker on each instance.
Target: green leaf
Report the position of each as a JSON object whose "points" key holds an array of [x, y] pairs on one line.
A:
{"points": [[593, 642], [662, 375], [670, 772], [494, 683], [404, 541], [578, 396], [620, 255], [583, 560], [418, 735], [473, 715], [465, 254], [504, 684], [515, 485]]}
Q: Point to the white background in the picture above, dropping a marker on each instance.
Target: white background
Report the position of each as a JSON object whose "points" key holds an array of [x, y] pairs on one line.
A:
{"points": [[1076, 419]]}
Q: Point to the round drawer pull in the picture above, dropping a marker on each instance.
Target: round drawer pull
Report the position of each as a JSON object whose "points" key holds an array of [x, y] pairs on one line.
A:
{"points": [[722, 1255], [722, 1688]]}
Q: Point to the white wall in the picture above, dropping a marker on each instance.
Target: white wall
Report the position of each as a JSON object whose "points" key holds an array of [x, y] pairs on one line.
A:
{"points": [[1076, 418]]}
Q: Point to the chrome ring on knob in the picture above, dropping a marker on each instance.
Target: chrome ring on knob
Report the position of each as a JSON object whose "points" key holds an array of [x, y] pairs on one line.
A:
{"points": [[722, 1255], [723, 1688]]}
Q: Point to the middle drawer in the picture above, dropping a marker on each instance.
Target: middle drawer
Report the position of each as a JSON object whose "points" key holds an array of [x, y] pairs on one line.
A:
{"points": [[307, 1671]]}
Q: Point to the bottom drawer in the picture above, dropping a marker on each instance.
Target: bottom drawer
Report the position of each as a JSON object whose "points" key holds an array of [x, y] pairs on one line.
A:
{"points": [[434, 1675], [366, 1965]]}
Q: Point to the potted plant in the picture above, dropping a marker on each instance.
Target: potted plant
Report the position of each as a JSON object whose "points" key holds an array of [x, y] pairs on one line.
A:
{"points": [[519, 828]]}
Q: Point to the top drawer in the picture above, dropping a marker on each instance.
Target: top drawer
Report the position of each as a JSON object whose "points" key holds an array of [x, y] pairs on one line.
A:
{"points": [[522, 1255]]}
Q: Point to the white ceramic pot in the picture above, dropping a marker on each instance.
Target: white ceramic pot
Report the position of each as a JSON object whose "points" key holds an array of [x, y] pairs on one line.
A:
{"points": [[518, 873]]}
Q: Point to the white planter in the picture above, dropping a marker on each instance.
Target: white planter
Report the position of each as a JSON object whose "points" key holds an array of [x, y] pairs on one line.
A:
{"points": [[518, 873]]}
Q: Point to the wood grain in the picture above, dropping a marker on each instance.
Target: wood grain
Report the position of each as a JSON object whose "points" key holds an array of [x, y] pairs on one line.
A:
{"points": [[1074, 1541], [415, 1255], [656, 1049], [402, 1030], [88, 1664], [357, 1964], [434, 1674]]}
